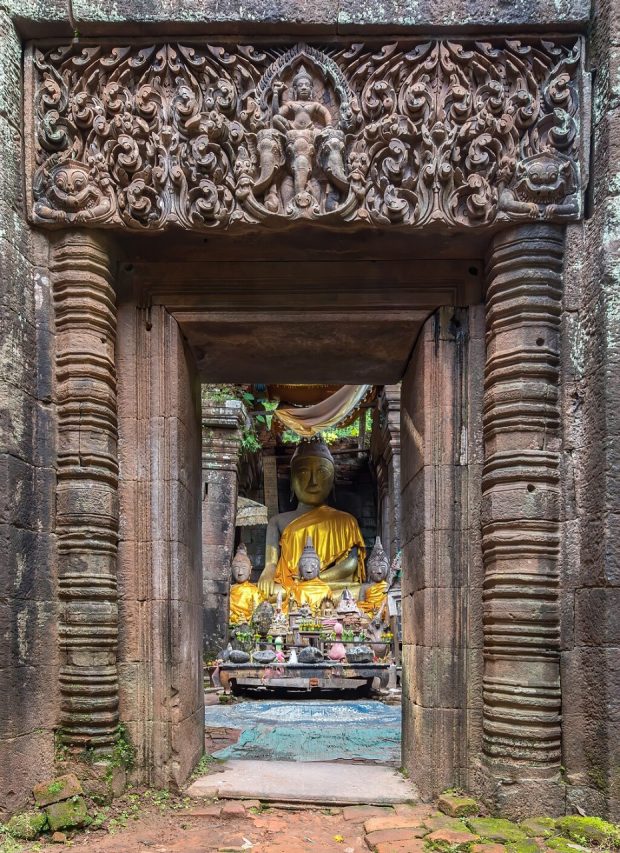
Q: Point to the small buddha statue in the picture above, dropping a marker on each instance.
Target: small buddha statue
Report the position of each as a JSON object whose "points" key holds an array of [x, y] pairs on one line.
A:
{"points": [[244, 595], [310, 589], [374, 593], [335, 534]]}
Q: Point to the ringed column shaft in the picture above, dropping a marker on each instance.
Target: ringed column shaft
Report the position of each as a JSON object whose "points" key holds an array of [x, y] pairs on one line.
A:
{"points": [[87, 489], [521, 503]]}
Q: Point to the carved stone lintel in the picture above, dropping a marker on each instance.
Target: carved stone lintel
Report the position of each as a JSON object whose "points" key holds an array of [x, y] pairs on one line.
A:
{"points": [[521, 503], [87, 499], [194, 135]]}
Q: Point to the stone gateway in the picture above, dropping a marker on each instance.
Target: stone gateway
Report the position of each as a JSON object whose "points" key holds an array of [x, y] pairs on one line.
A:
{"points": [[419, 196]]}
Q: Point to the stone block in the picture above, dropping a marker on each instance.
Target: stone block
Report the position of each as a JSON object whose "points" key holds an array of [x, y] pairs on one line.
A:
{"points": [[68, 814], [406, 15], [443, 678], [26, 825], [411, 845], [597, 617], [496, 829], [25, 759], [451, 839], [389, 836], [394, 821], [433, 747], [363, 813], [187, 745], [57, 789], [26, 570], [233, 809], [455, 805]]}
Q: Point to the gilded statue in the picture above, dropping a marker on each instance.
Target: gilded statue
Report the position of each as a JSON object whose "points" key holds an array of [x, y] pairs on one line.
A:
{"points": [[336, 535], [310, 589], [373, 595], [244, 595]]}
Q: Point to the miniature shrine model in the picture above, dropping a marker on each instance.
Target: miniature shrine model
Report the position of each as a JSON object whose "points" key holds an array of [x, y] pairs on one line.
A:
{"points": [[318, 619]]}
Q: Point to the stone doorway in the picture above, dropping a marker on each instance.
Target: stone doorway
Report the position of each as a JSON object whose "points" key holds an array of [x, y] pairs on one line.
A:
{"points": [[321, 308], [410, 311]]}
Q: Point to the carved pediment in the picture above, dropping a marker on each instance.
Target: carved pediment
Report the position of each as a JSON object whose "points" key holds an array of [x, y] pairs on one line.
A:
{"points": [[198, 136]]}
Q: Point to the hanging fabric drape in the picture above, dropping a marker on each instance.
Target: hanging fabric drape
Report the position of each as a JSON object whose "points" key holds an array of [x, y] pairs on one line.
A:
{"points": [[329, 413]]}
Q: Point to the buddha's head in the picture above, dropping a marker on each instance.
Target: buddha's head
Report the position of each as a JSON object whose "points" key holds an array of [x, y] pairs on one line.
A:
{"points": [[312, 472], [241, 565], [309, 564], [302, 85], [378, 564]]}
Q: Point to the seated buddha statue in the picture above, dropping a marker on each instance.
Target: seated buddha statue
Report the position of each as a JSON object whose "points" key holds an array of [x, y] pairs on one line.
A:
{"points": [[336, 535], [373, 594], [244, 596], [310, 589]]}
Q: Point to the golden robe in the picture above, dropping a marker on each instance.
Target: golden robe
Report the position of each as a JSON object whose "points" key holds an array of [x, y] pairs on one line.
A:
{"points": [[333, 534], [375, 596], [244, 599], [313, 592]]}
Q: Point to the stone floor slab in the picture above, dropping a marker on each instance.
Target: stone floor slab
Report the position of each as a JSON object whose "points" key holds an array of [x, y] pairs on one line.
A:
{"points": [[311, 782]]}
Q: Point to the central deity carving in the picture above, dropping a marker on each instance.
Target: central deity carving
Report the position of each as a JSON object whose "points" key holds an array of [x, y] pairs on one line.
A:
{"points": [[303, 114]]}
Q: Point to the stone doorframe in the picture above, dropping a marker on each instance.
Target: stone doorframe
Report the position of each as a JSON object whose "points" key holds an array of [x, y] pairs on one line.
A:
{"points": [[117, 154]]}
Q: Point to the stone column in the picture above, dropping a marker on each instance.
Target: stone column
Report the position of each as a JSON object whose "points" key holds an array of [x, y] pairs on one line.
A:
{"points": [[389, 414], [86, 496], [520, 519], [222, 427]]}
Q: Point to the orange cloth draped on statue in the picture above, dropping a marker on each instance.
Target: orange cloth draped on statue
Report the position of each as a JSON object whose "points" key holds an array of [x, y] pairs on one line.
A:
{"points": [[333, 534], [244, 599], [375, 596]]}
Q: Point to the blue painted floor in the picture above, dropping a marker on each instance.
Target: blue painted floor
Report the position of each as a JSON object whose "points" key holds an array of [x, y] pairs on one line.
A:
{"points": [[311, 730]]}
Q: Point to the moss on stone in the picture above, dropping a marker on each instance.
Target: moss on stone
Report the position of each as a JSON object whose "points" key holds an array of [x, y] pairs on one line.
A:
{"points": [[538, 827], [527, 846], [26, 825], [458, 805], [564, 845], [589, 830], [68, 814], [496, 829]]}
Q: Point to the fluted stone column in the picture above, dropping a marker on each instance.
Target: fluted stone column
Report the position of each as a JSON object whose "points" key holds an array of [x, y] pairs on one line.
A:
{"points": [[87, 499], [520, 519]]}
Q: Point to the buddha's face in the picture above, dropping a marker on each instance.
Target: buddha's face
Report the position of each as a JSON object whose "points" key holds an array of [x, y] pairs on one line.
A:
{"points": [[377, 570], [241, 571], [312, 479], [309, 568]]}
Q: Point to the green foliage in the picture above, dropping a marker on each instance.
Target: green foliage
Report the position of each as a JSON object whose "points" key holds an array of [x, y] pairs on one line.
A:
{"points": [[124, 752], [61, 753]]}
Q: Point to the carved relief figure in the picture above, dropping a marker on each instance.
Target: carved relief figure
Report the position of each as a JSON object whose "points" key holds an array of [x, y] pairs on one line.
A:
{"points": [[303, 138], [335, 535], [244, 596]]}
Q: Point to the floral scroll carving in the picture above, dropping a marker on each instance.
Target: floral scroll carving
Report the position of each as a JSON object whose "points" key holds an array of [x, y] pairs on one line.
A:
{"points": [[408, 134]]}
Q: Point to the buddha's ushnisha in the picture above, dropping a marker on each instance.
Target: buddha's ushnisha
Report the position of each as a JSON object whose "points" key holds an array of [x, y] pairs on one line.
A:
{"points": [[335, 535], [244, 595]]}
